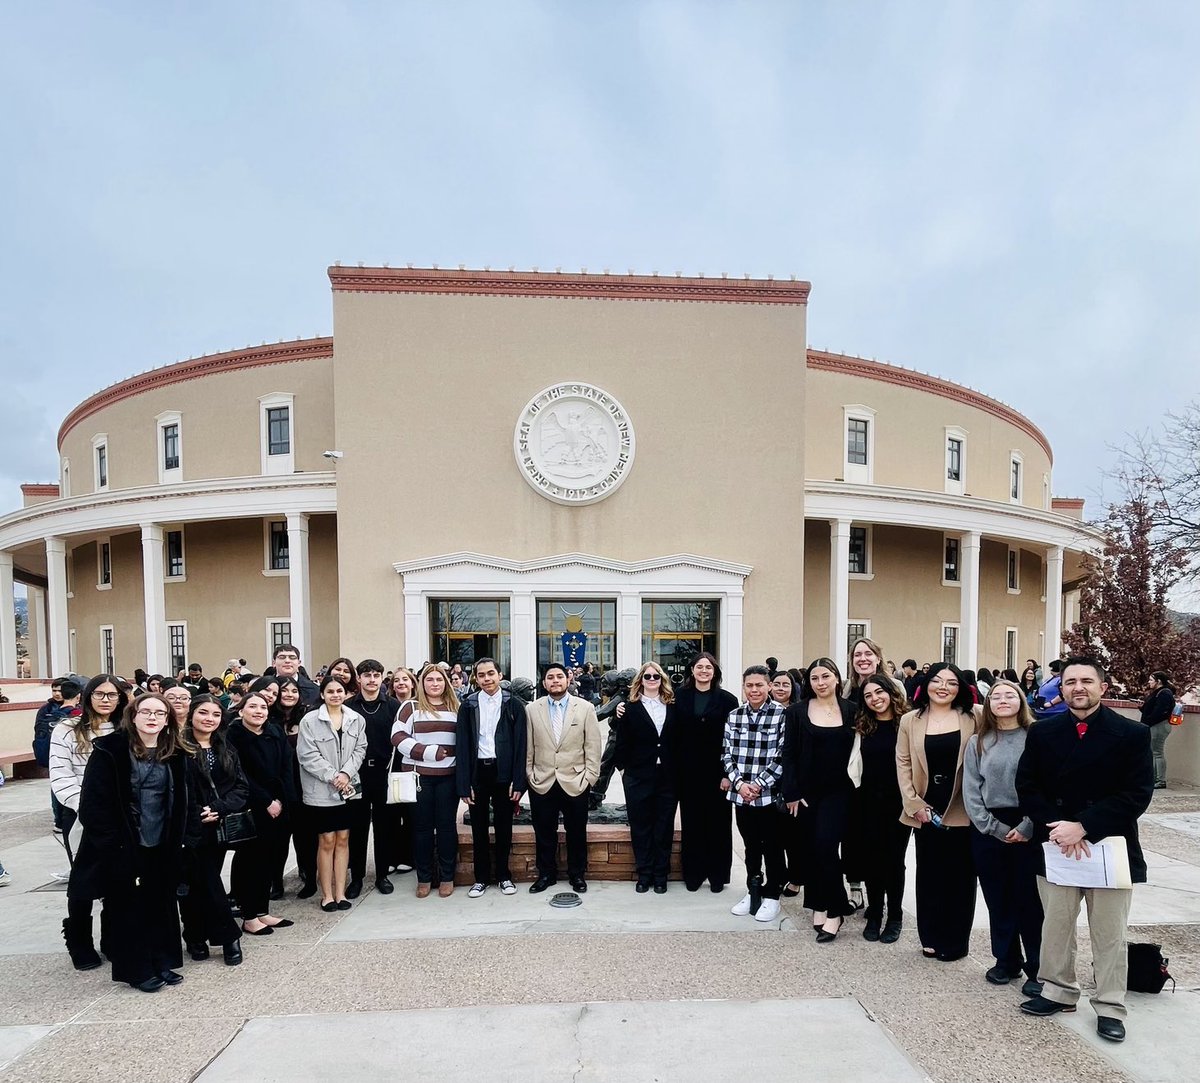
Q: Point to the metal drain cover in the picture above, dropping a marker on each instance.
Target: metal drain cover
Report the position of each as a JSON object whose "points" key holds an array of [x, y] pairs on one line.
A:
{"points": [[566, 899]]}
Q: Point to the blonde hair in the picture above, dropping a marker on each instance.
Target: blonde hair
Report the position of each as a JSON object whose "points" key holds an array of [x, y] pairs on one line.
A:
{"points": [[450, 700], [412, 678], [665, 692]]}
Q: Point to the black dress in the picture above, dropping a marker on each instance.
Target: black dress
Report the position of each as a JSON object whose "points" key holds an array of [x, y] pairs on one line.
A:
{"points": [[135, 818], [705, 814]]}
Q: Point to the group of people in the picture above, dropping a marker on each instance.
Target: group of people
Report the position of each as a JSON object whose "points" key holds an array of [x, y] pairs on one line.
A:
{"points": [[825, 779]]}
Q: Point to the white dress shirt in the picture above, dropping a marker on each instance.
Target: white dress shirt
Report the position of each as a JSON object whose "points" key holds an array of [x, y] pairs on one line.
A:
{"points": [[489, 719], [657, 710]]}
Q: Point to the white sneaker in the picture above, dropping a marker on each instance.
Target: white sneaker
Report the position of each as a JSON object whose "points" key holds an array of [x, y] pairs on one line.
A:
{"points": [[4, 877], [61, 877], [742, 907], [768, 911], [476, 891], [507, 887]]}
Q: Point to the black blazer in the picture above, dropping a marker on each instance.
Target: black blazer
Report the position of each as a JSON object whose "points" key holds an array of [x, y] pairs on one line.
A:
{"points": [[699, 740], [640, 747], [512, 735], [798, 778], [222, 791], [1104, 781], [107, 859], [267, 763]]}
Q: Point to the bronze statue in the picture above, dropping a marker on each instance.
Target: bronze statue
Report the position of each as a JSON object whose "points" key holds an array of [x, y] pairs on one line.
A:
{"points": [[614, 686]]}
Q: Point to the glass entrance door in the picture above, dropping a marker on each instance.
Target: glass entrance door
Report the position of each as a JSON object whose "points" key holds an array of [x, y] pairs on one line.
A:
{"points": [[673, 633], [596, 620], [463, 631]]}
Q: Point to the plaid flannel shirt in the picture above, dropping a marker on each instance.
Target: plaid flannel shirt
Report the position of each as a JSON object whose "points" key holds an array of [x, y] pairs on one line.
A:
{"points": [[753, 750]]}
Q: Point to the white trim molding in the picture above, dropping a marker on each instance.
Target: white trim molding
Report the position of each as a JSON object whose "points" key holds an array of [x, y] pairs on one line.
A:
{"points": [[955, 486], [100, 443], [859, 473], [285, 462], [169, 475], [522, 582]]}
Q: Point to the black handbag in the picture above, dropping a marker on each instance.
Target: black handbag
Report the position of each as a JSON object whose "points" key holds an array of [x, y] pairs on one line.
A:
{"points": [[1148, 971], [236, 827]]}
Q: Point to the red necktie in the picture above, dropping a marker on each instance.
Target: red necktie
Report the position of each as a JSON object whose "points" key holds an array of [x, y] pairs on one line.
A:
{"points": [[1081, 727]]}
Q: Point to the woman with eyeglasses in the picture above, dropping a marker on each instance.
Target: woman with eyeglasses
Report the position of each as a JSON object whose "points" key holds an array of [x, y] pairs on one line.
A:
{"points": [[217, 787], [930, 747], [134, 810], [102, 703], [644, 754]]}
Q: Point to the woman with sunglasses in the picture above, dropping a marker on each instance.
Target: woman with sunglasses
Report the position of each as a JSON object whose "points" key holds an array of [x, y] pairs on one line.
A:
{"points": [[930, 747], [102, 703], [644, 753]]}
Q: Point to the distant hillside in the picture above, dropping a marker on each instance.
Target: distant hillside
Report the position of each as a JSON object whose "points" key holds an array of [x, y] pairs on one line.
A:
{"points": [[1182, 620], [22, 607]]}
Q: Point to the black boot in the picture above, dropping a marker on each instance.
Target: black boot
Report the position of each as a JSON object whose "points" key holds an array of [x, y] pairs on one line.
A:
{"points": [[754, 887], [77, 932]]}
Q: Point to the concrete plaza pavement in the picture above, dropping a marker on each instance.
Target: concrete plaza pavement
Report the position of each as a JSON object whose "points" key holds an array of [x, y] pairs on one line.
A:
{"points": [[625, 987]]}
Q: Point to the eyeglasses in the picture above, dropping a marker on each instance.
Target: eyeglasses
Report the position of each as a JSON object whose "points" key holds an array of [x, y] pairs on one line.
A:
{"points": [[939, 683], [651, 677], [152, 714], [107, 695]]}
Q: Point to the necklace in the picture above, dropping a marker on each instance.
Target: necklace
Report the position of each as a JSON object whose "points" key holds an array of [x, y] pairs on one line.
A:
{"points": [[362, 706]]}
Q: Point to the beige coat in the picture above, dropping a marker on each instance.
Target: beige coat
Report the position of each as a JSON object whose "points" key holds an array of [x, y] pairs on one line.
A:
{"points": [[913, 770], [575, 761]]}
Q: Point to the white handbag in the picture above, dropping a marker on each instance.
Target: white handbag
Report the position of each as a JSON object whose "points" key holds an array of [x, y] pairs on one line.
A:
{"points": [[402, 786]]}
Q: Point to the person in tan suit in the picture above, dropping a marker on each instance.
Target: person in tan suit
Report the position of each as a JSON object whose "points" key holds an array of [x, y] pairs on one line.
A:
{"points": [[562, 762]]}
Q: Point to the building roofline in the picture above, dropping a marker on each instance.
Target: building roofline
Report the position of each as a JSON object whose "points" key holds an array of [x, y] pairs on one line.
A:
{"points": [[273, 353], [847, 365], [602, 287]]}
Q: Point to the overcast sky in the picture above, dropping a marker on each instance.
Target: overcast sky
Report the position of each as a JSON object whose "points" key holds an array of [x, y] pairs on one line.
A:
{"points": [[1007, 195]]}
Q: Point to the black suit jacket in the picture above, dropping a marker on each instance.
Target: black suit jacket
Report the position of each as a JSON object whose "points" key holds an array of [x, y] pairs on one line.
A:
{"points": [[511, 738], [640, 747], [1104, 781], [798, 776], [698, 741]]}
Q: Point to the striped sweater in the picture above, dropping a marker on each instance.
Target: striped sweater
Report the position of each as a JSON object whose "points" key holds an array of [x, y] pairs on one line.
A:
{"points": [[418, 734], [67, 762]]}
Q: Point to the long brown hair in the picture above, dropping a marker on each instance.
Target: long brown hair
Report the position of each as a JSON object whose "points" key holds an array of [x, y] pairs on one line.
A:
{"points": [[84, 725], [665, 692], [170, 741], [866, 723], [988, 723], [851, 672]]}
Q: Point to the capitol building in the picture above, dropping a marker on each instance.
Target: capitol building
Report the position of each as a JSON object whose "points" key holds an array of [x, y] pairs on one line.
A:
{"points": [[478, 462]]}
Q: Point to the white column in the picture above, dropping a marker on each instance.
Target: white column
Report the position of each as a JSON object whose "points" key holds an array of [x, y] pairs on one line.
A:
{"points": [[839, 586], [298, 585], [522, 636], [39, 647], [1054, 601], [56, 578], [158, 659], [629, 629], [416, 629], [731, 635], [8, 623], [968, 635]]}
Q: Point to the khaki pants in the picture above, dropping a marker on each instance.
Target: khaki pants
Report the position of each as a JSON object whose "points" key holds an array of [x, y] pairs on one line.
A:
{"points": [[1108, 919]]}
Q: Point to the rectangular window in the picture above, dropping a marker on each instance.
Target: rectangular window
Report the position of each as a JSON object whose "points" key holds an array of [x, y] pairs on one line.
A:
{"points": [[463, 630], [674, 632], [950, 643], [177, 646], [175, 569], [857, 431], [859, 561], [1010, 648], [170, 446], [279, 430], [596, 622], [107, 653], [856, 630], [950, 566], [279, 632], [279, 553], [954, 450], [1015, 480], [105, 570], [1014, 570], [102, 468]]}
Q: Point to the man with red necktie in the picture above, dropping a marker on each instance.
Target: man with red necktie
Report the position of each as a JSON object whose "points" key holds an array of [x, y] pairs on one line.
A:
{"points": [[1085, 776]]}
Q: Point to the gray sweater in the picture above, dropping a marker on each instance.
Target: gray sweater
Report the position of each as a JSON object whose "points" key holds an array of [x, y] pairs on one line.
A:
{"points": [[991, 782]]}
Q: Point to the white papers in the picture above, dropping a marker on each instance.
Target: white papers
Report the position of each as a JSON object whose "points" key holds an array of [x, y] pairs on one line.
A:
{"points": [[1108, 865]]}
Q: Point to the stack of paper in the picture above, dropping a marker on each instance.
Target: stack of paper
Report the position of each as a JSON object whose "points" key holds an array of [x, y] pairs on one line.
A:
{"points": [[1107, 866]]}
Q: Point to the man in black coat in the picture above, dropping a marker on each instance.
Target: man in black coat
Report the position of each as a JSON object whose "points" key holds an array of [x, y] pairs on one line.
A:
{"points": [[1085, 776], [490, 767]]}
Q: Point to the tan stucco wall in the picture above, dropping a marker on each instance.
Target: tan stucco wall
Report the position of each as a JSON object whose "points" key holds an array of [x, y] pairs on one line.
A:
{"points": [[458, 371], [910, 438], [122, 606], [220, 426]]}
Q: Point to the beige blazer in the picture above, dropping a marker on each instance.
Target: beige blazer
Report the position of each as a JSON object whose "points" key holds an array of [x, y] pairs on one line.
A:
{"points": [[574, 763], [913, 771]]}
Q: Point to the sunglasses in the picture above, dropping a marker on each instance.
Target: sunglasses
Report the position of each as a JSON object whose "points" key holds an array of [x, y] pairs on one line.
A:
{"points": [[651, 677]]}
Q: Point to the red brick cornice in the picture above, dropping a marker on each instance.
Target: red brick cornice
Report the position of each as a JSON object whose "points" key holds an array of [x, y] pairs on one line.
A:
{"points": [[763, 291], [34, 489], [274, 353], [919, 381]]}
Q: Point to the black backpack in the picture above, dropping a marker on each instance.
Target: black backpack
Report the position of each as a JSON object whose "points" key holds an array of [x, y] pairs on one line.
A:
{"points": [[1147, 969]]}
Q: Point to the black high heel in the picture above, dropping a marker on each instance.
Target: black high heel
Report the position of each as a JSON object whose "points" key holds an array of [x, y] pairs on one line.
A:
{"points": [[827, 937]]}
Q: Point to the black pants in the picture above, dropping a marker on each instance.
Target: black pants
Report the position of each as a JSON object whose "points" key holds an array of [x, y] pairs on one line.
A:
{"points": [[436, 811], [705, 837], [373, 813], [761, 831], [882, 847], [205, 908], [1008, 875], [545, 809], [796, 834], [945, 890], [143, 938], [254, 864], [304, 842], [828, 819], [492, 802], [650, 801]]}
